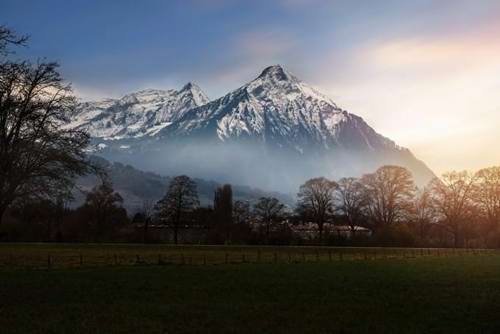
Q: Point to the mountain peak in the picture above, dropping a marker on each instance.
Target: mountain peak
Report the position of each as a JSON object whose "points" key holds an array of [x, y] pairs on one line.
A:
{"points": [[190, 85], [276, 72], [195, 91]]}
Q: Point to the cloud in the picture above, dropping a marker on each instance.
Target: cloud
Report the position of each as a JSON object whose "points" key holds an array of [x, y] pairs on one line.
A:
{"points": [[260, 44], [298, 4], [436, 94]]}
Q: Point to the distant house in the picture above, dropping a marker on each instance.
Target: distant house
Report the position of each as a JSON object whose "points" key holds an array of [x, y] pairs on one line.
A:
{"points": [[163, 233], [310, 230], [346, 231]]}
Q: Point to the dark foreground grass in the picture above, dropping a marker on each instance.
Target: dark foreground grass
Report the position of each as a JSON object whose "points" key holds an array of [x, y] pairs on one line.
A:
{"points": [[420, 295]]}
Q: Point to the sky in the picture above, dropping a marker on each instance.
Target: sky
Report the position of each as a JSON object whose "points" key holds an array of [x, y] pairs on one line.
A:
{"points": [[425, 73]]}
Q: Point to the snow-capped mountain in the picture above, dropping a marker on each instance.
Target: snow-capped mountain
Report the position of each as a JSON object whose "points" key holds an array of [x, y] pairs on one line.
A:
{"points": [[280, 110], [137, 114], [273, 132]]}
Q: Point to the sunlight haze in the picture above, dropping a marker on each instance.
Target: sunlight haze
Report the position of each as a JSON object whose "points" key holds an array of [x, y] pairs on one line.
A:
{"points": [[425, 74]]}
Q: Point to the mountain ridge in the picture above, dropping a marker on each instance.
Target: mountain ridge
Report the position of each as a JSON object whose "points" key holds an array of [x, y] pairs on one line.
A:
{"points": [[136, 114], [275, 122]]}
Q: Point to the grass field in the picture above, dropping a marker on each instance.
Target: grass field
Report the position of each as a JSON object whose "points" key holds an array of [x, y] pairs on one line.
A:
{"points": [[403, 293], [53, 256]]}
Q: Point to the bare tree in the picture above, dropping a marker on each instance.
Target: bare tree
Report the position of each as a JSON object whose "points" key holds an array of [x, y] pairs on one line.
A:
{"points": [[488, 196], [8, 37], [223, 208], [316, 198], [241, 212], [452, 196], [181, 198], [268, 210], [423, 213], [389, 192], [351, 201], [38, 157], [103, 205], [146, 212]]}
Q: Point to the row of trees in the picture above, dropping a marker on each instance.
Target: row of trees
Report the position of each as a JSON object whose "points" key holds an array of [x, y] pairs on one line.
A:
{"points": [[226, 217], [462, 204], [459, 206]]}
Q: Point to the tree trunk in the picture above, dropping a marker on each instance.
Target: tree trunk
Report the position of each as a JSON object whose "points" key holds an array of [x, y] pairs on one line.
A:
{"points": [[145, 236], [268, 226], [353, 229], [2, 212], [176, 224], [176, 230]]}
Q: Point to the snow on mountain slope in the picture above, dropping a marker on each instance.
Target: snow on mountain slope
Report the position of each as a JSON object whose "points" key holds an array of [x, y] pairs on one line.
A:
{"points": [[280, 110], [137, 114], [274, 132]]}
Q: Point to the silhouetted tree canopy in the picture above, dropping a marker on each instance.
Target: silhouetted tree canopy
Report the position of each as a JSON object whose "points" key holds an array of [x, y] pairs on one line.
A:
{"points": [[241, 212], [38, 157], [103, 211], [389, 192], [268, 210], [351, 202], [181, 198], [487, 194], [223, 208], [423, 213], [316, 198], [453, 199], [8, 38]]}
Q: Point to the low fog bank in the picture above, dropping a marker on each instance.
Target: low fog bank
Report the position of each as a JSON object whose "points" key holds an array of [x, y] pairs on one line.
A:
{"points": [[137, 186], [256, 166]]}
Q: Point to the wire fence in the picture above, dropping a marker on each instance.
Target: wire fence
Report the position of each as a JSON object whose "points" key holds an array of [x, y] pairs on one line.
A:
{"points": [[243, 256]]}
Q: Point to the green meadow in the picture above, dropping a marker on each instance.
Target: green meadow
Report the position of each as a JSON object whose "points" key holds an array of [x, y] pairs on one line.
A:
{"points": [[453, 293]]}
